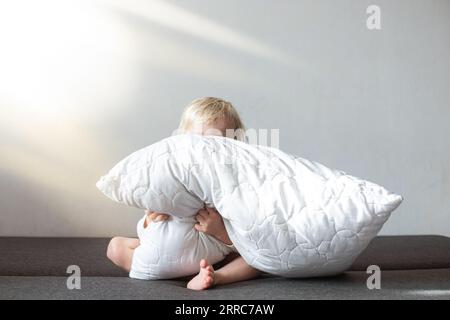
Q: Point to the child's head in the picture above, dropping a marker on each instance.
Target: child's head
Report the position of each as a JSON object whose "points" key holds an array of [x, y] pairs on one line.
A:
{"points": [[212, 116]]}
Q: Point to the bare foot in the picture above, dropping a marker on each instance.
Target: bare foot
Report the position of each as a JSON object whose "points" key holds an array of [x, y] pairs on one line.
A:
{"points": [[205, 278]]}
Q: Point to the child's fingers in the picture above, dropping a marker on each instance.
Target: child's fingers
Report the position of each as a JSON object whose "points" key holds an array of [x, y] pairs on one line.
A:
{"points": [[200, 218], [212, 211], [198, 227], [147, 222], [155, 216], [203, 213], [162, 217], [203, 263]]}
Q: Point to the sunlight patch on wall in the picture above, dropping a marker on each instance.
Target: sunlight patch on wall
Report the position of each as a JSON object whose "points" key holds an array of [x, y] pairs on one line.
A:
{"points": [[64, 64], [166, 54], [172, 16], [64, 159], [60, 59]]}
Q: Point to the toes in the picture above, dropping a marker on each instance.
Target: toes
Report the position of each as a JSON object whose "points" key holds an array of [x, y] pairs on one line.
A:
{"points": [[203, 263], [209, 281], [210, 268]]}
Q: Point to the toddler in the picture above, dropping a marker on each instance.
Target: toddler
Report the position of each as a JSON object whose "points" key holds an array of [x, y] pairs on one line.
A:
{"points": [[205, 116]]}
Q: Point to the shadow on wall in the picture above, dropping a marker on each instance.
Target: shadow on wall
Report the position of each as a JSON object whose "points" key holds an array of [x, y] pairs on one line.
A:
{"points": [[39, 207], [30, 209]]}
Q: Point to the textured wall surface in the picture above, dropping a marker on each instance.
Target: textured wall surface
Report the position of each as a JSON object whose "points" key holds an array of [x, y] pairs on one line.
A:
{"points": [[84, 83]]}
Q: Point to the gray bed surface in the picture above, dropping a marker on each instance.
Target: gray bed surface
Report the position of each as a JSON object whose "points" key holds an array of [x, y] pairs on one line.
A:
{"points": [[395, 284], [413, 267], [51, 256]]}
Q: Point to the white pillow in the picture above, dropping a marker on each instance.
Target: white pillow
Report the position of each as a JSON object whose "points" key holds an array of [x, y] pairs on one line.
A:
{"points": [[285, 215]]}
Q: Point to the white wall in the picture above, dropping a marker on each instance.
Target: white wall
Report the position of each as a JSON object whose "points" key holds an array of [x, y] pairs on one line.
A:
{"points": [[82, 86]]}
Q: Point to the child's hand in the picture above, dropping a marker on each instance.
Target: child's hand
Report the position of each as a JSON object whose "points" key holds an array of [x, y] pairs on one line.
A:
{"points": [[155, 217], [211, 222]]}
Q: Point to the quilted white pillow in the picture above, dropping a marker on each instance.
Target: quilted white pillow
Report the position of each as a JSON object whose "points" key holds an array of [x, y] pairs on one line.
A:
{"points": [[285, 215]]}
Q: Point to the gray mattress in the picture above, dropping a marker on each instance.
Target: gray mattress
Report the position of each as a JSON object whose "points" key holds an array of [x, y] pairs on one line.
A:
{"points": [[413, 267]]}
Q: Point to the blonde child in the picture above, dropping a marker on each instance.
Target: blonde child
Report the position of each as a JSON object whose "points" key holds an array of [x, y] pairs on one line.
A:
{"points": [[205, 116]]}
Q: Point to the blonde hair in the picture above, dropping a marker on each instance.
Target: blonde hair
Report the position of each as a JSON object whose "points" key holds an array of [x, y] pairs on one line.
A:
{"points": [[209, 110]]}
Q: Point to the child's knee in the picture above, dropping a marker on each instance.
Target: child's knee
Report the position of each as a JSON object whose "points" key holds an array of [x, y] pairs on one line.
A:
{"points": [[114, 248]]}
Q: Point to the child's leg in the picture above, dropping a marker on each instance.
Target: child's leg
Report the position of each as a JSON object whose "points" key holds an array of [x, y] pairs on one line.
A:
{"points": [[120, 251], [236, 270]]}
